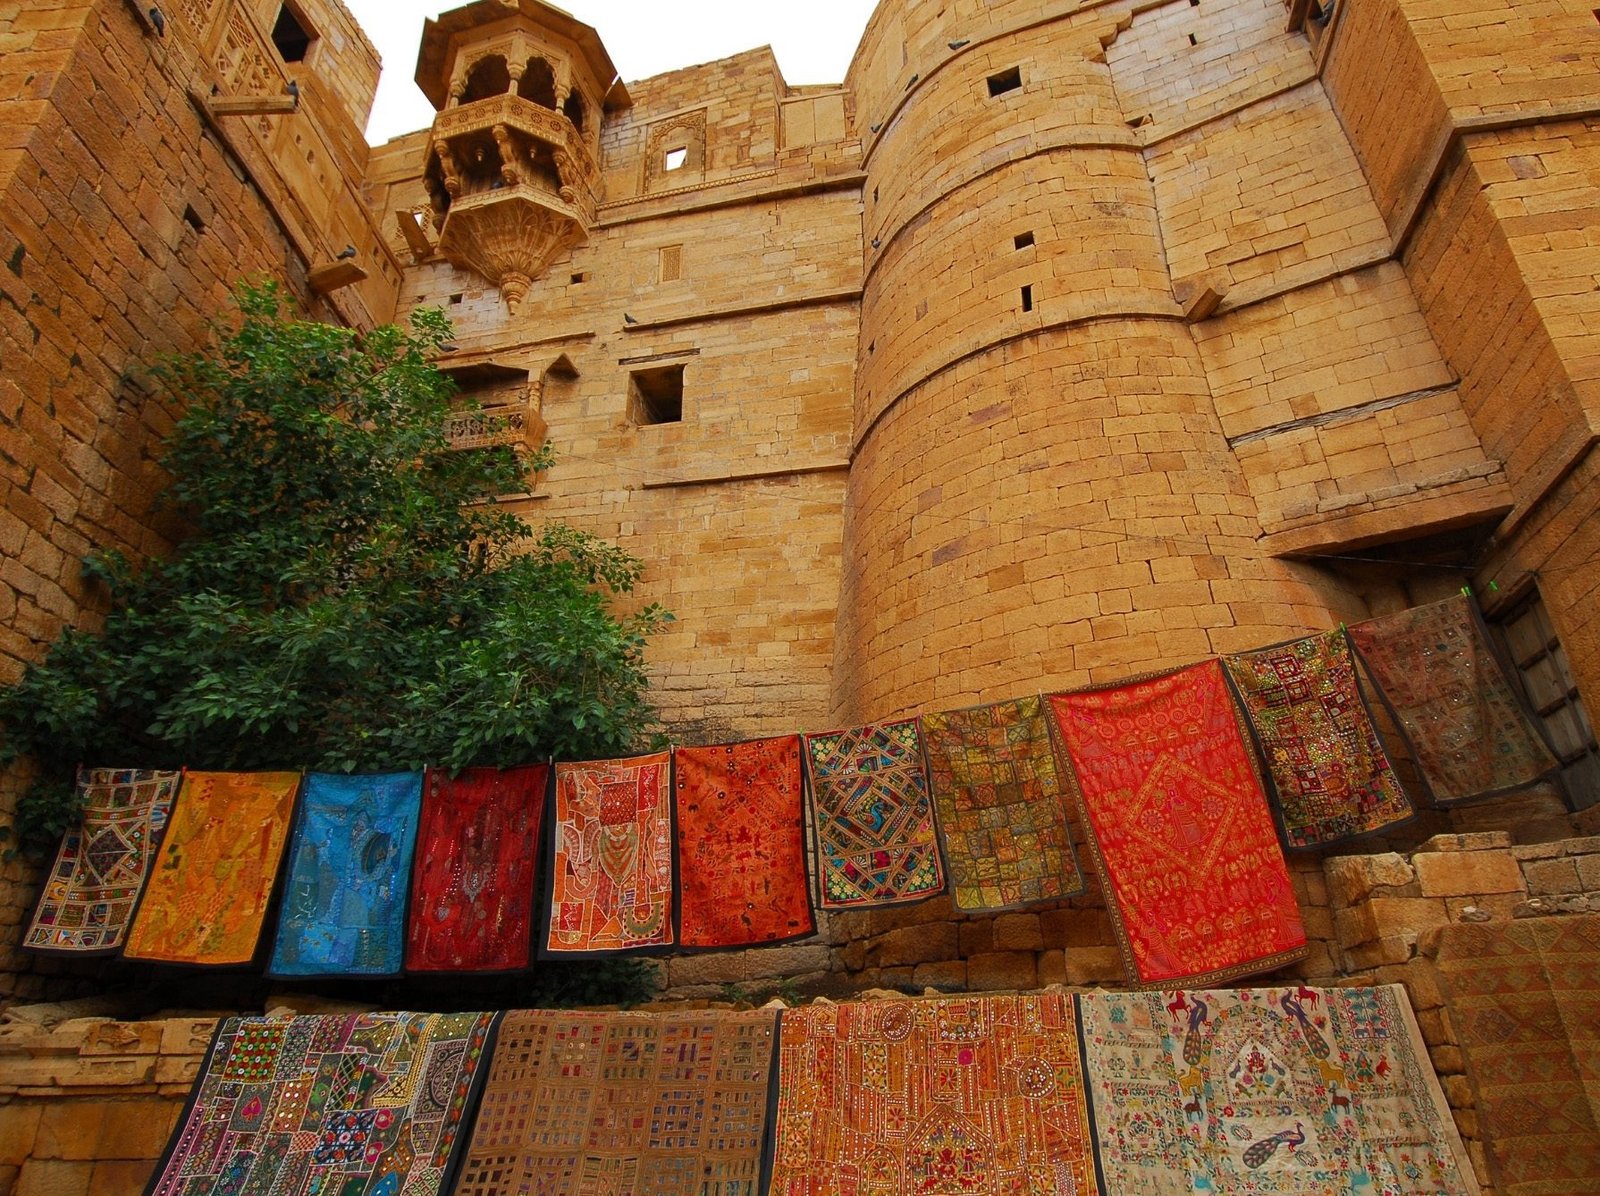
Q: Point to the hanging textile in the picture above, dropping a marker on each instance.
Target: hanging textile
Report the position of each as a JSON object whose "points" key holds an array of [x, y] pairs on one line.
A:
{"points": [[1461, 719], [1196, 884], [344, 906], [673, 1104], [472, 887], [102, 865], [215, 869], [1332, 778], [337, 1103], [972, 1094], [1524, 998], [1002, 815], [873, 816], [611, 881], [1281, 1091], [741, 844]]}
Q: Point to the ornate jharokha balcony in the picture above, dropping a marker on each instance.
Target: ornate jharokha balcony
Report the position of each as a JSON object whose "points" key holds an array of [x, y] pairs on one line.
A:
{"points": [[519, 426], [513, 184]]}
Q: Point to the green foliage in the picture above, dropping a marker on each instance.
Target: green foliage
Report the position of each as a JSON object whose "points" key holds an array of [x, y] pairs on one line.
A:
{"points": [[351, 599]]}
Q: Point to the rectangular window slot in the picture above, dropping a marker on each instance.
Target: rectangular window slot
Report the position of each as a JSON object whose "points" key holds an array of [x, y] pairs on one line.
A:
{"points": [[579, 277], [671, 267], [1022, 240], [1027, 298], [675, 158], [291, 37], [192, 219], [1007, 80], [1192, 40], [655, 396], [455, 299]]}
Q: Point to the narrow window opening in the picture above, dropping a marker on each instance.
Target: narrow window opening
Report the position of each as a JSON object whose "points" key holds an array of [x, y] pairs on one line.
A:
{"points": [[671, 265], [455, 299], [192, 219], [675, 158], [578, 277], [1023, 240], [1192, 40], [1007, 80], [290, 36], [1027, 298], [874, 195], [872, 347], [655, 396]]}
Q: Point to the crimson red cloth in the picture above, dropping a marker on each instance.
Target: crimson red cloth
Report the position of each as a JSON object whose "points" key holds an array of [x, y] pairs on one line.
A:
{"points": [[741, 846], [472, 887]]}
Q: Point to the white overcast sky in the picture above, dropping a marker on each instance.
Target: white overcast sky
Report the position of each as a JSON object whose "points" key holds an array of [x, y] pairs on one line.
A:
{"points": [[813, 39]]}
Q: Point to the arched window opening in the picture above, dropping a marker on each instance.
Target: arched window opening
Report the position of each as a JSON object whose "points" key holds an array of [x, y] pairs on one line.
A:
{"points": [[573, 109], [488, 77], [538, 83]]}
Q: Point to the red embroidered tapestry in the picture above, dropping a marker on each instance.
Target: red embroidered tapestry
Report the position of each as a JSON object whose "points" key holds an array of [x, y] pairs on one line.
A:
{"points": [[1438, 674], [741, 844], [611, 879], [977, 1094], [472, 886], [1332, 777], [1188, 857]]}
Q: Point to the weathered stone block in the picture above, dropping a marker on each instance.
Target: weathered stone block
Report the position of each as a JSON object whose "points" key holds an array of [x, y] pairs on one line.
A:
{"points": [[53, 1177], [1018, 932], [19, 1123], [1548, 877], [948, 975], [1352, 877], [1052, 968], [1467, 873], [1472, 841], [912, 945], [1002, 970], [1095, 965]]}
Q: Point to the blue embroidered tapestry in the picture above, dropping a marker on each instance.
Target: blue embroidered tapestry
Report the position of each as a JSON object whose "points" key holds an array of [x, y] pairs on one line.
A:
{"points": [[344, 908]]}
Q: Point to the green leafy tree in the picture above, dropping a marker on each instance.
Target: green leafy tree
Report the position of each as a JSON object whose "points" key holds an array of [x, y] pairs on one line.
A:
{"points": [[351, 599]]}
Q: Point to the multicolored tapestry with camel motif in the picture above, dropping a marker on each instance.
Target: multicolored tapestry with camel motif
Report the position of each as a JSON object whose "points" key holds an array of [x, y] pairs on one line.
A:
{"points": [[1268, 1092]]}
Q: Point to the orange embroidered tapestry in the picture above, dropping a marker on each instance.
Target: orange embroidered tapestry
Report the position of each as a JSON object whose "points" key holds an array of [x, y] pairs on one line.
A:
{"points": [[214, 874], [1182, 838], [611, 879], [975, 1094], [472, 885], [741, 844]]}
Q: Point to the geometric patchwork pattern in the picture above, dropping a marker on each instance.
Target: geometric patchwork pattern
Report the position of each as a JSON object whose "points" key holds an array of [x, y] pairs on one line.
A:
{"points": [[669, 1104], [369, 1103], [1438, 673], [1002, 814], [876, 843], [89, 895], [1332, 778], [1525, 1000]]}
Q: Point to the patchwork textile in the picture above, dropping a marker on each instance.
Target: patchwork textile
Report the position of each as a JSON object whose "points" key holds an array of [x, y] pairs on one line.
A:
{"points": [[1268, 1091], [472, 888], [1332, 777], [1002, 815], [101, 868], [1461, 718], [1184, 843], [873, 816], [611, 883], [671, 1104], [974, 1094], [344, 907], [741, 844], [1524, 997], [370, 1103], [214, 872]]}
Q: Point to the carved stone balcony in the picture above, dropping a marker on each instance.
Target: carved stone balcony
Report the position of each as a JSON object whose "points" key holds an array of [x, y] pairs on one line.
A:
{"points": [[521, 427], [514, 185]]}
